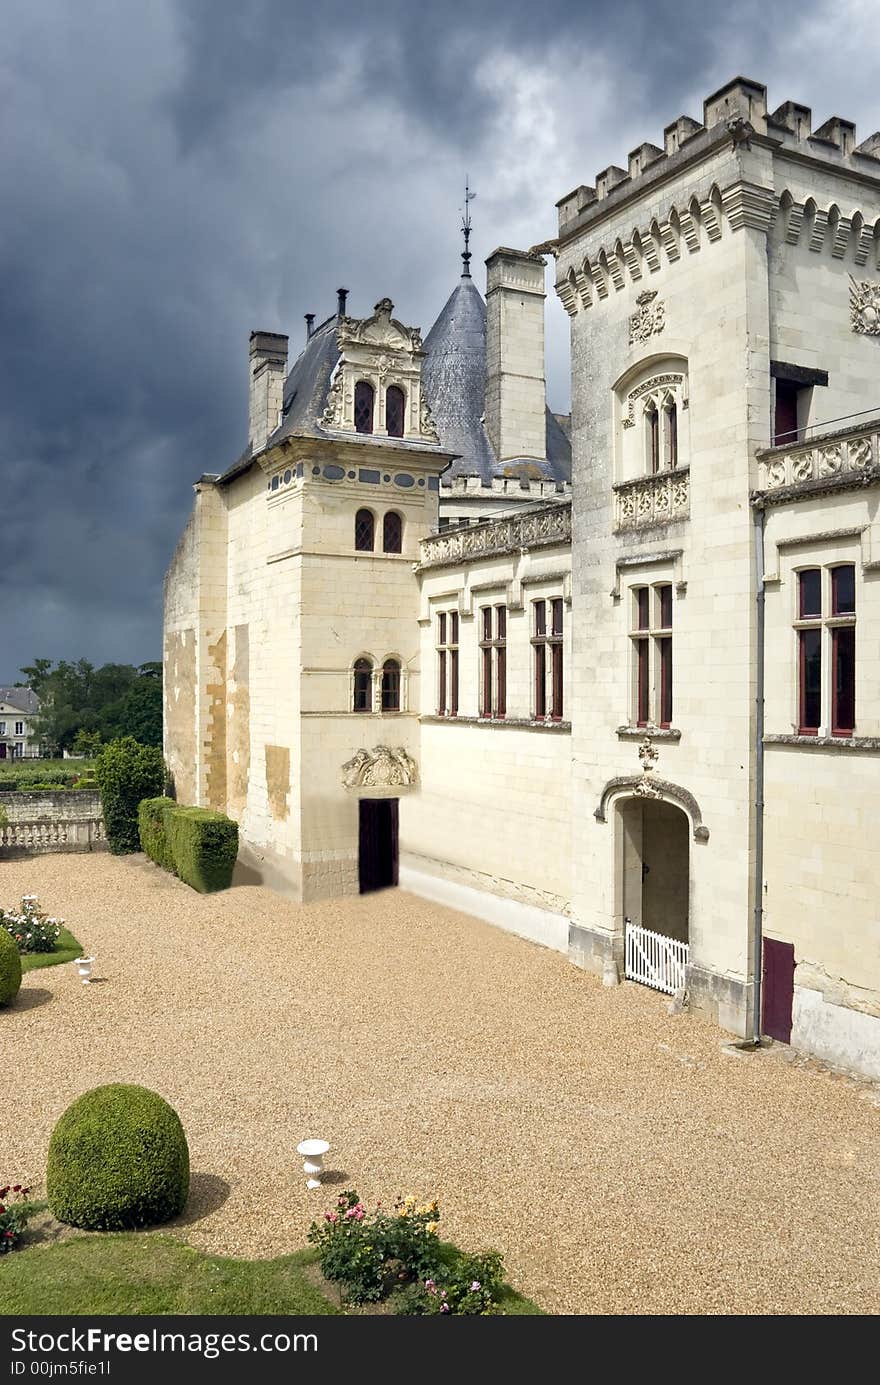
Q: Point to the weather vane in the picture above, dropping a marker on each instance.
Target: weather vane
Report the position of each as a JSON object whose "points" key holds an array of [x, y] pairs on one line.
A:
{"points": [[466, 229]]}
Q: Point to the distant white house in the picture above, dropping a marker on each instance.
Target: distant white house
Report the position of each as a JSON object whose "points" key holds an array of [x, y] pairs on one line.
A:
{"points": [[18, 708]]}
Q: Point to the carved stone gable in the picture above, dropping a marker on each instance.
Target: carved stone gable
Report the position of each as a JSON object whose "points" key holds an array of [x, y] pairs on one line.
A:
{"points": [[384, 354]]}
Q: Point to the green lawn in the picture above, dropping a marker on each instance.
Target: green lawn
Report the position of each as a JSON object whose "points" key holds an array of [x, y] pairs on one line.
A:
{"points": [[128, 1272], [66, 949], [138, 1273]]}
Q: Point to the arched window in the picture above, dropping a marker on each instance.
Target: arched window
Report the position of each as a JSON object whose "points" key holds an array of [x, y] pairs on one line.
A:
{"points": [[363, 531], [363, 407], [670, 419], [392, 532], [395, 404], [391, 686], [362, 698], [652, 437]]}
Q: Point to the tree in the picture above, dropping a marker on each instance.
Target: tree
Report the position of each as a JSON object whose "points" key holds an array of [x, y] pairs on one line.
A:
{"points": [[140, 712], [127, 772], [111, 701]]}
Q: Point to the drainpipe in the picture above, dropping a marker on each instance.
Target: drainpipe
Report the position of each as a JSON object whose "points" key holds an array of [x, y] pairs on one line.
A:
{"points": [[757, 946]]}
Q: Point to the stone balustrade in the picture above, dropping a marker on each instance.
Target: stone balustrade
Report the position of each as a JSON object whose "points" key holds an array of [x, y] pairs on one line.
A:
{"points": [[845, 457], [654, 499], [537, 528], [80, 834]]}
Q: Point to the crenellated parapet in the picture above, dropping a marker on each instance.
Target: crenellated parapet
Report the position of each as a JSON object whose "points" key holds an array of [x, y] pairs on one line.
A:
{"points": [[733, 140]]}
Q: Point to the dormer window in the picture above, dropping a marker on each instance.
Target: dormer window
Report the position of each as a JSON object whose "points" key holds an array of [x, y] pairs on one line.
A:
{"points": [[363, 406], [395, 405]]}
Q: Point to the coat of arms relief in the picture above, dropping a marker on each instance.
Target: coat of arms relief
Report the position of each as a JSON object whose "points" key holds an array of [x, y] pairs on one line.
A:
{"points": [[648, 318], [864, 306]]}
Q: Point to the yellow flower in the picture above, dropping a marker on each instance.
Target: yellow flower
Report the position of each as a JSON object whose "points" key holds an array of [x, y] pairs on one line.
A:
{"points": [[431, 1225]]}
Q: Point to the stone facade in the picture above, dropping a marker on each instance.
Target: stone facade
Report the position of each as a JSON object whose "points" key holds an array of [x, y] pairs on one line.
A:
{"points": [[600, 718], [747, 231]]}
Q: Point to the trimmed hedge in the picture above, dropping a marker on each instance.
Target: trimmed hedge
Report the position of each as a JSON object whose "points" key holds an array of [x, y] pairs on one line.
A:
{"points": [[118, 1159], [153, 829], [197, 844], [203, 846], [10, 968], [127, 772]]}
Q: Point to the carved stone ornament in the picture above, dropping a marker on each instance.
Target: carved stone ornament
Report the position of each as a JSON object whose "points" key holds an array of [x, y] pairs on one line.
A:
{"points": [[427, 426], [332, 415], [648, 318], [864, 307], [648, 754], [380, 768]]}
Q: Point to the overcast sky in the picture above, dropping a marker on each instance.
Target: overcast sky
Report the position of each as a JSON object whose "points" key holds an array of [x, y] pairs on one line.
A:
{"points": [[178, 172]]}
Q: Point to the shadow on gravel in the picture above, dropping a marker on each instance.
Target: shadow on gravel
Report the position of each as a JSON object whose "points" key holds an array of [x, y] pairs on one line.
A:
{"points": [[207, 1192], [29, 997]]}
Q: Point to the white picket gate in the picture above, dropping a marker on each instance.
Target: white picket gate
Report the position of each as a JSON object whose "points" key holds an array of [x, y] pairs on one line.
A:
{"points": [[654, 960]]}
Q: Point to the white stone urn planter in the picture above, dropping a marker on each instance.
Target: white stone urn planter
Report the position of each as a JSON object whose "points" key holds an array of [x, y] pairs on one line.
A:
{"points": [[84, 966], [313, 1152]]}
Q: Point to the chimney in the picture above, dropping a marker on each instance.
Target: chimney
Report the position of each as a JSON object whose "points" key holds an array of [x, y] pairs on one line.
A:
{"points": [[267, 369], [310, 324], [515, 388], [341, 296]]}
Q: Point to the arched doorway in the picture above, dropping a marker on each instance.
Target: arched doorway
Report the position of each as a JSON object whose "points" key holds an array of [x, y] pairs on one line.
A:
{"points": [[654, 890]]}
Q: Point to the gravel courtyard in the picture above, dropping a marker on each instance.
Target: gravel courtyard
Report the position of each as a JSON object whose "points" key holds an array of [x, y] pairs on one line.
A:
{"points": [[616, 1155]]}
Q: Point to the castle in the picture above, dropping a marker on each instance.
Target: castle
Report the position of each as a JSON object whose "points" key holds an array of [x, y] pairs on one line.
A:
{"points": [[611, 682]]}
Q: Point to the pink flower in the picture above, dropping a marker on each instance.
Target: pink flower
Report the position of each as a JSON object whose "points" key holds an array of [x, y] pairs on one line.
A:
{"points": [[475, 1286], [444, 1308]]}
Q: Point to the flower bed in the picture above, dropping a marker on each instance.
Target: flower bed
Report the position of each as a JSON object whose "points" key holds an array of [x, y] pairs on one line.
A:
{"points": [[397, 1254], [30, 928]]}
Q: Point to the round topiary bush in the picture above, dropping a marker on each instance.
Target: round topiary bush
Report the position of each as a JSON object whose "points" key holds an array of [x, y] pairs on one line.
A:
{"points": [[118, 1159], [10, 968]]}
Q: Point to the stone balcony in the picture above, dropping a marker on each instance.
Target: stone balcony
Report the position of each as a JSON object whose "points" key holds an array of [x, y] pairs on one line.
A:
{"points": [[654, 499], [540, 527], [839, 460]]}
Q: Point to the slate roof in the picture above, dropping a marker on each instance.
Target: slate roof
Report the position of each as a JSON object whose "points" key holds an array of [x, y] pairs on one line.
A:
{"points": [[25, 699], [454, 383]]}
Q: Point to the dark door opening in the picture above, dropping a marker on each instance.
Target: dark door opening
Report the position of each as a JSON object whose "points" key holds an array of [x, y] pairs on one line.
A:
{"points": [[777, 992], [377, 844]]}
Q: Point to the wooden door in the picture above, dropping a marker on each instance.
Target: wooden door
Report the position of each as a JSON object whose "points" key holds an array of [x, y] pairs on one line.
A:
{"points": [[777, 992], [377, 844]]}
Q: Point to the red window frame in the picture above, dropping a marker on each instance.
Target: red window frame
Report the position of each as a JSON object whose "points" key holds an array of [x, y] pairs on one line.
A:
{"points": [[447, 663]]}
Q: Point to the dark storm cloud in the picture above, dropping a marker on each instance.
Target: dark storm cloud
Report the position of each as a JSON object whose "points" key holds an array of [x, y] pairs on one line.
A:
{"points": [[180, 172]]}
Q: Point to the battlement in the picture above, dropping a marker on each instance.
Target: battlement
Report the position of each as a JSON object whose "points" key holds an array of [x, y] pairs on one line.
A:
{"points": [[736, 113]]}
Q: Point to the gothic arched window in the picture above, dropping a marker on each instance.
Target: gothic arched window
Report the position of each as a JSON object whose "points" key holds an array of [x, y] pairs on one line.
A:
{"points": [[362, 697], [652, 437], [391, 686], [392, 532], [670, 431], [364, 525], [395, 404], [363, 406]]}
